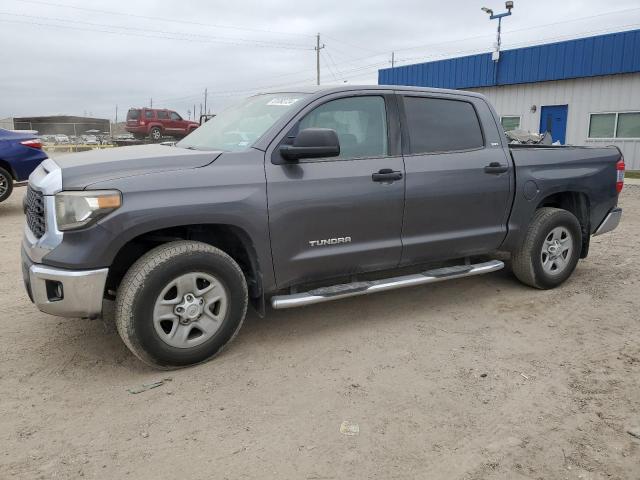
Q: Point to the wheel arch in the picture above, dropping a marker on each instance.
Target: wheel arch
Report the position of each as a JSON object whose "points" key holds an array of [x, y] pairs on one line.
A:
{"points": [[7, 166], [579, 205], [231, 239]]}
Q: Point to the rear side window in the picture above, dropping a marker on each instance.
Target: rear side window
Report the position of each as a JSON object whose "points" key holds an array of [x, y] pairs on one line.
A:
{"points": [[148, 114], [163, 115], [441, 125], [133, 114]]}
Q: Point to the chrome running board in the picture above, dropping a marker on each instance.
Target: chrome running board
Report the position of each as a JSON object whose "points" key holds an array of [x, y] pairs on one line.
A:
{"points": [[335, 292]]}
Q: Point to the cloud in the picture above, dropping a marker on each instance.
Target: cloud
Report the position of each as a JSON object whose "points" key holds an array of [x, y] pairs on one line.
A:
{"points": [[73, 60]]}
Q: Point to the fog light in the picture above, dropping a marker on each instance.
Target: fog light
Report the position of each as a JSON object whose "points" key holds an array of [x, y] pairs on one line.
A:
{"points": [[55, 292]]}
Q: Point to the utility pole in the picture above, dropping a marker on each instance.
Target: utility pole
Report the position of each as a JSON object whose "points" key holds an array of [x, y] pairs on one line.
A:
{"points": [[393, 59], [205, 101], [151, 102], [317, 48]]}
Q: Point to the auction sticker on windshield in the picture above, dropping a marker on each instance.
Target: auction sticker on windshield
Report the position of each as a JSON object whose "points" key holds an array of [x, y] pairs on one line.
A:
{"points": [[283, 101]]}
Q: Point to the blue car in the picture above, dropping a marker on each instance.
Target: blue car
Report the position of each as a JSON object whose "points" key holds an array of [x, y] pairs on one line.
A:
{"points": [[20, 154]]}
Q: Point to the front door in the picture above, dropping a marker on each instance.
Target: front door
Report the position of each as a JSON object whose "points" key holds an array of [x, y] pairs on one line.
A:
{"points": [[458, 179], [553, 119], [333, 216]]}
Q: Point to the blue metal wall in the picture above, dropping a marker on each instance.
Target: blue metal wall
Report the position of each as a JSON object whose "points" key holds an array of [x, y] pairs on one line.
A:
{"points": [[585, 57]]}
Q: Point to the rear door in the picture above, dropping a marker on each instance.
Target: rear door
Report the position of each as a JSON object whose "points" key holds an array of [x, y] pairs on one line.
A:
{"points": [[458, 178], [165, 121], [175, 123], [337, 216]]}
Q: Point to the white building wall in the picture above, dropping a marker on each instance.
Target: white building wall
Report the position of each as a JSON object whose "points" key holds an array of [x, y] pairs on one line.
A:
{"points": [[6, 123], [611, 93]]}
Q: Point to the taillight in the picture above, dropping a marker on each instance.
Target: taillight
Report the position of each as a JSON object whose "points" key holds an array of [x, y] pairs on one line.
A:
{"points": [[32, 143], [620, 177]]}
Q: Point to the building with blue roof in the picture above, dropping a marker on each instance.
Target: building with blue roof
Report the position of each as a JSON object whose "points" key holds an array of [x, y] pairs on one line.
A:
{"points": [[584, 91]]}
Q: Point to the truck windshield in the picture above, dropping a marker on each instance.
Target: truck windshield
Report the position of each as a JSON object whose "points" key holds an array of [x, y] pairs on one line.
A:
{"points": [[238, 127]]}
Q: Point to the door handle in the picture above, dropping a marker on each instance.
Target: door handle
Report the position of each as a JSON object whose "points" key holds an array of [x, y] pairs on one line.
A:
{"points": [[386, 175], [495, 167]]}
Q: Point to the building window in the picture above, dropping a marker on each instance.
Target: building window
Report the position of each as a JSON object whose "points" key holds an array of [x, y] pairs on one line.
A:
{"points": [[628, 125], [602, 125], [614, 125], [510, 122]]}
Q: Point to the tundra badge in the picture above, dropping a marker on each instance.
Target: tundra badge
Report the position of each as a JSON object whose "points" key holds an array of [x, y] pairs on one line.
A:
{"points": [[329, 241]]}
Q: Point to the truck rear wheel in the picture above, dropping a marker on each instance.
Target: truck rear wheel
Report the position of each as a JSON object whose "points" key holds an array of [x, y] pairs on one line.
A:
{"points": [[6, 184], [550, 250], [180, 304]]}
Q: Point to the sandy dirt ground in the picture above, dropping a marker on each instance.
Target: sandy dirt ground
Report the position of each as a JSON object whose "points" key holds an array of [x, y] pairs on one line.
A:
{"points": [[470, 379]]}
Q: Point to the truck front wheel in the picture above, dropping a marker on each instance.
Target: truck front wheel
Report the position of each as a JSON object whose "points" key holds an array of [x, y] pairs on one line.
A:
{"points": [[180, 304], [550, 250]]}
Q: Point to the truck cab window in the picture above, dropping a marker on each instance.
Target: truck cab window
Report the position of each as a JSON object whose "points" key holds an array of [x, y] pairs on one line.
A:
{"points": [[441, 125], [360, 122]]}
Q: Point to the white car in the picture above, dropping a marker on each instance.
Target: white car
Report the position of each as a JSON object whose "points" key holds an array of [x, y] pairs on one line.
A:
{"points": [[61, 138]]}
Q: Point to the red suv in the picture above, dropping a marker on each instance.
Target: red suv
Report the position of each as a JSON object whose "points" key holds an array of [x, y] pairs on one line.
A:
{"points": [[156, 123]]}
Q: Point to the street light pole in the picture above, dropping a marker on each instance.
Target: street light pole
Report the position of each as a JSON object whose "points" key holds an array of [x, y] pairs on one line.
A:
{"points": [[495, 56]]}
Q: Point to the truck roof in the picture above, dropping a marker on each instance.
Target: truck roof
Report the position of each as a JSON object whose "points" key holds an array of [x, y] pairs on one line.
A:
{"points": [[346, 88]]}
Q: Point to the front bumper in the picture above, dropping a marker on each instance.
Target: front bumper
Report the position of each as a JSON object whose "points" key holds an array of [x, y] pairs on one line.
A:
{"points": [[610, 222], [62, 292]]}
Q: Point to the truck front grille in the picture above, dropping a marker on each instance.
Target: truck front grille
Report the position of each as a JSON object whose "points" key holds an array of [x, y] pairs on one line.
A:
{"points": [[34, 211]]}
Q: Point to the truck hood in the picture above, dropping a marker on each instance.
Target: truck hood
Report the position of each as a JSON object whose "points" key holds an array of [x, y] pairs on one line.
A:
{"points": [[79, 170]]}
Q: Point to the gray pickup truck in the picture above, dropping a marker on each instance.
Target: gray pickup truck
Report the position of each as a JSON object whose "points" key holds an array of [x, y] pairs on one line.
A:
{"points": [[303, 197]]}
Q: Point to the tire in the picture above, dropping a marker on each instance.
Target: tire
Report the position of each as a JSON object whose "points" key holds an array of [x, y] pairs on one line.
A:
{"points": [[6, 185], [155, 134], [146, 295], [550, 250]]}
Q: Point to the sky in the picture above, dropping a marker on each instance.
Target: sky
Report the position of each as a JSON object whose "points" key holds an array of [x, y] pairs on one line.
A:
{"points": [[87, 57]]}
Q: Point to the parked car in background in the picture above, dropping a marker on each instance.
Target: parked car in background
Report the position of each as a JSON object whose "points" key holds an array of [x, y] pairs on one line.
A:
{"points": [[90, 140], [20, 154], [124, 136], [61, 139], [155, 123]]}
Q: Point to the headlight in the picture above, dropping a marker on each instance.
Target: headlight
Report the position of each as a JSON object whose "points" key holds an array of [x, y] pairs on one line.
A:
{"points": [[79, 209]]}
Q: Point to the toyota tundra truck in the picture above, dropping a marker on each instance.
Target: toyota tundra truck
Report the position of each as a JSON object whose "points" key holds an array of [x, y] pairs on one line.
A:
{"points": [[297, 198]]}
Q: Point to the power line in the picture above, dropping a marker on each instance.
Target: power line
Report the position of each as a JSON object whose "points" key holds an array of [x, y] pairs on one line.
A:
{"points": [[535, 27], [164, 19], [354, 71], [349, 44], [523, 44], [326, 62], [163, 34], [333, 61]]}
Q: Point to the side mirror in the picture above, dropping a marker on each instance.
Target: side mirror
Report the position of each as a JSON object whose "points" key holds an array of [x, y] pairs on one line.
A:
{"points": [[312, 143]]}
